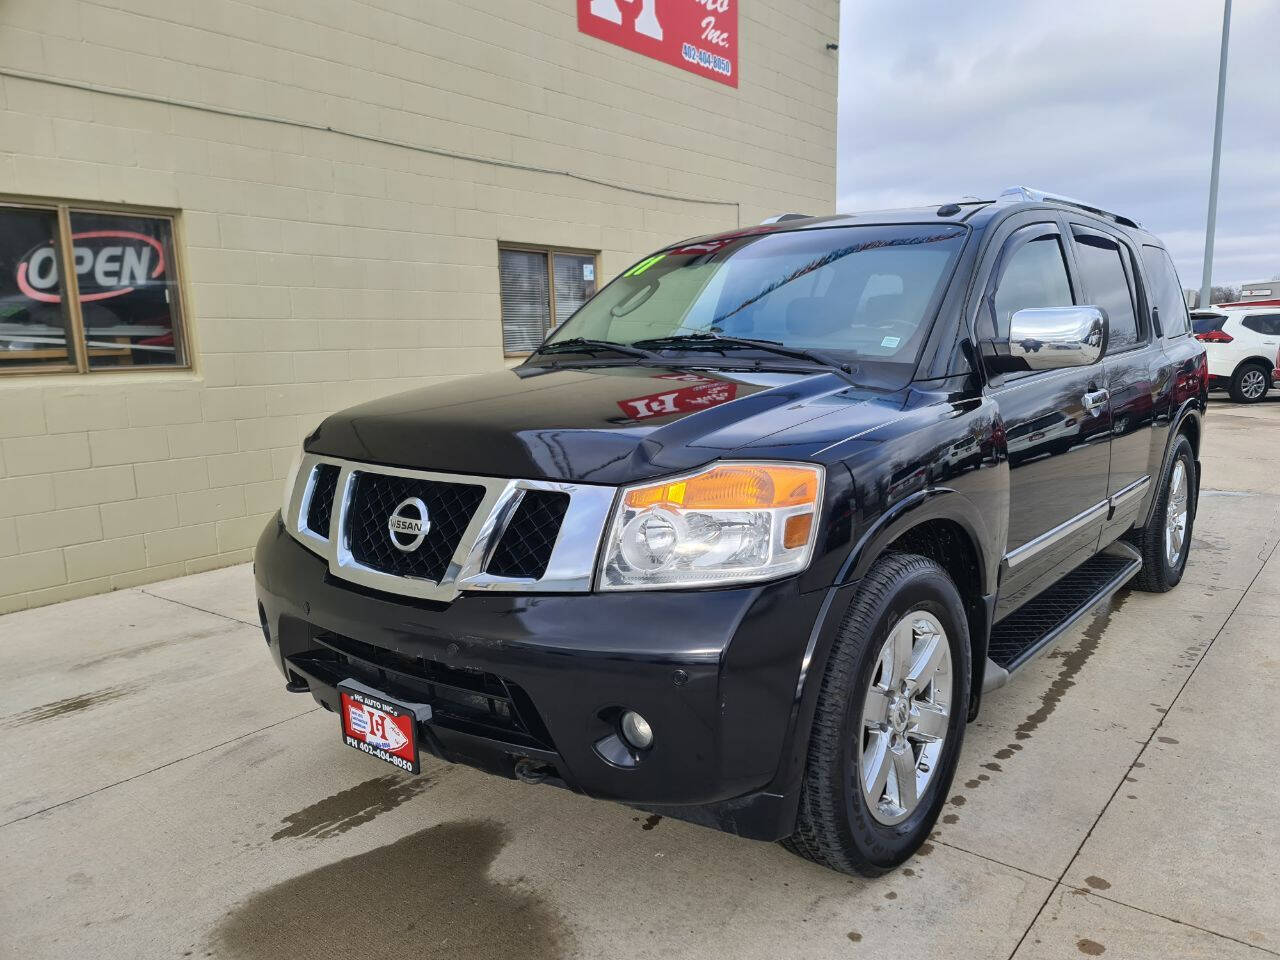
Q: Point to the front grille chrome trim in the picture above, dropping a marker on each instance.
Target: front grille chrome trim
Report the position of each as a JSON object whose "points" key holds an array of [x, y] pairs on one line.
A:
{"points": [[570, 569]]}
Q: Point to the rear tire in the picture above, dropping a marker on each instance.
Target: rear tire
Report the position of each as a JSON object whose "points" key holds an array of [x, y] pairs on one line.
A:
{"points": [[869, 724], [1250, 382], [1177, 494]]}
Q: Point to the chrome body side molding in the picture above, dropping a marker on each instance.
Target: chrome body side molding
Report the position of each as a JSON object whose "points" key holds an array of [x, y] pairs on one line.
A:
{"points": [[1022, 554], [1130, 495]]}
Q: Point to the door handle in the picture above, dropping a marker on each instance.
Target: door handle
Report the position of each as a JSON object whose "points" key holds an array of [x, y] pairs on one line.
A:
{"points": [[1094, 400]]}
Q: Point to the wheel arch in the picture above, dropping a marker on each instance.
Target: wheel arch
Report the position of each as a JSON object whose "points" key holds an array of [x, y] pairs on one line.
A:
{"points": [[939, 509], [1267, 363], [943, 525], [1189, 422], [907, 525]]}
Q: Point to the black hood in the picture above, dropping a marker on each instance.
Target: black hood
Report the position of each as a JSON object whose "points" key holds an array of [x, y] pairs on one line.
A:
{"points": [[603, 424]]}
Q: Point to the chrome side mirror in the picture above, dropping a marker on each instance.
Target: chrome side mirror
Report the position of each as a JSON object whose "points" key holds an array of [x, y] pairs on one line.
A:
{"points": [[1046, 338]]}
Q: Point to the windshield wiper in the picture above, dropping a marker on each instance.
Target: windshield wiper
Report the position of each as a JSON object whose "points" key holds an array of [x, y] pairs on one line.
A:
{"points": [[587, 345], [717, 341]]}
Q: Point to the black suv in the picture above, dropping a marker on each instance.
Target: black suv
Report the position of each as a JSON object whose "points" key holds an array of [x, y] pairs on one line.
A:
{"points": [[747, 538]]}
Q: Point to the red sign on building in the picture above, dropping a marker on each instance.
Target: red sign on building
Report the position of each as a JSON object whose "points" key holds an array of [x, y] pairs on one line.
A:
{"points": [[700, 36]]}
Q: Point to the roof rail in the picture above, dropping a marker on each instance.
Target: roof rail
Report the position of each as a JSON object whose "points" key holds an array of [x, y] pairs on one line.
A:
{"points": [[1043, 196], [783, 217]]}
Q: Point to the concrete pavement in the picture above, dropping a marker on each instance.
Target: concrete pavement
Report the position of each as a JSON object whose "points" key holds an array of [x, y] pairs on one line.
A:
{"points": [[161, 796]]}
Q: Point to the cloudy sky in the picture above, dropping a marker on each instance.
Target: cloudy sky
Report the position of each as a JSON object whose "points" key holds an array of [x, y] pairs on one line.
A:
{"points": [[1106, 100]]}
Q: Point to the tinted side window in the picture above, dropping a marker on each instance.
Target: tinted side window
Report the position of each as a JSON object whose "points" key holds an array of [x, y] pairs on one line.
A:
{"points": [[1267, 324], [1106, 285], [1035, 275], [1166, 292]]}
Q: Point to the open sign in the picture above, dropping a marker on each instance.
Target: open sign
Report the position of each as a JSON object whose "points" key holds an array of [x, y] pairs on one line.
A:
{"points": [[108, 263]]}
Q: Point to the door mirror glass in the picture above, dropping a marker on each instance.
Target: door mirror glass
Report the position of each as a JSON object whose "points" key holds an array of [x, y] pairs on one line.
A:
{"points": [[1047, 338]]}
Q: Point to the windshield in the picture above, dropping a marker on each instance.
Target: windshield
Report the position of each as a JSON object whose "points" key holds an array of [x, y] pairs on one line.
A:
{"points": [[867, 291]]}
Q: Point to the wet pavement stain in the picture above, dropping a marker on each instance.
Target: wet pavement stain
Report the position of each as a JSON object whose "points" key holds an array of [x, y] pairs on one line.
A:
{"points": [[427, 895], [1166, 739], [1073, 662], [651, 821], [1090, 948], [855, 936], [351, 807], [70, 705], [1097, 883], [142, 649]]}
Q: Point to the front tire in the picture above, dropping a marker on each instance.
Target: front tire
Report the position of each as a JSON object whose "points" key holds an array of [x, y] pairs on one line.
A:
{"points": [[889, 721], [1250, 382], [1165, 542]]}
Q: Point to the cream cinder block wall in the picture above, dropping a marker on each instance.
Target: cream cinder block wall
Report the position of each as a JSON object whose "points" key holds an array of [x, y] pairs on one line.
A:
{"points": [[344, 172]]}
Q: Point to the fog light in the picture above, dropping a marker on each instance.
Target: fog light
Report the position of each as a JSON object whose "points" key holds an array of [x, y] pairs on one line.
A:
{"points": [[636, 730]]}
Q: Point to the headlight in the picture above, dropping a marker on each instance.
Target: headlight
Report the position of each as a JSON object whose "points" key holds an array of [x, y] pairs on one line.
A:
{"points": [[729, 523], [290, 480]]}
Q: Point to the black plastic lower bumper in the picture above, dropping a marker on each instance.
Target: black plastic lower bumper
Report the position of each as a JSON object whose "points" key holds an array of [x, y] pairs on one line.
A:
{"points": [[527, 682]]}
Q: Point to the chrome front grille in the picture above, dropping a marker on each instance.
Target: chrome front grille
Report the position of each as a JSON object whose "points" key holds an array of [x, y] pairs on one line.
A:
{"points": [[375, 496], [485, 533], [320, 500], [524, 549]]}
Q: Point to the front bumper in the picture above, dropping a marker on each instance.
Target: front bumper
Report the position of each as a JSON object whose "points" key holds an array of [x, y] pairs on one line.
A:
{"points": [[534, 682]]}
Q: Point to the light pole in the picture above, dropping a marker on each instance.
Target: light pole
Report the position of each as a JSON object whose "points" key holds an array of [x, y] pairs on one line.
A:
{"points": [[1206, 279]]}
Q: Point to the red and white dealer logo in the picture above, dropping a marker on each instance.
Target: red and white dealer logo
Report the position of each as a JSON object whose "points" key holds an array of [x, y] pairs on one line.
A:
{"points": [[700, 36], [380, 728], [699, 393]]}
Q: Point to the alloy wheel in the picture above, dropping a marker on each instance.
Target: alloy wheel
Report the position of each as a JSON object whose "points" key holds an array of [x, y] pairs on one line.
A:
{"points": [[1175, 521], [905, 717], [1253, 383]]}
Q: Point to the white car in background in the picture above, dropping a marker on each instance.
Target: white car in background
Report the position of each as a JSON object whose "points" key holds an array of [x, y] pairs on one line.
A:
{"points": [[1243, 345]]}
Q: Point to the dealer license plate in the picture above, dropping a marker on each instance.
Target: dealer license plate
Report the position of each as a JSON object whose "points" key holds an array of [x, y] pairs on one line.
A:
{"points": [[380, 727]]}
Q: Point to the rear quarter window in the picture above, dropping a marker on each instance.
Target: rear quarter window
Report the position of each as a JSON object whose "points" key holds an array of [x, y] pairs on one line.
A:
{"points": [[1165, 292], [1267, 324]]}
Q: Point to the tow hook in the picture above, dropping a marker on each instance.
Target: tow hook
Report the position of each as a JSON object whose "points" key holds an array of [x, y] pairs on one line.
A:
{"points": [[530, 771]]}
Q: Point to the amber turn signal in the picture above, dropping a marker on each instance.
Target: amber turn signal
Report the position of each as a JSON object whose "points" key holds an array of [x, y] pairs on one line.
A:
{"points": [[734, 487], [796, 531]]}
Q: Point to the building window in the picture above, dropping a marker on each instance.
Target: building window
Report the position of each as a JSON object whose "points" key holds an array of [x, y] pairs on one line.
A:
{"points": [[87, 290], [541, 288]]}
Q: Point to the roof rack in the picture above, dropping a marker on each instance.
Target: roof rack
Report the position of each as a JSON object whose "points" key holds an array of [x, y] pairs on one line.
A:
{"points": [[1043, 196]]}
